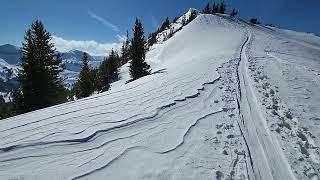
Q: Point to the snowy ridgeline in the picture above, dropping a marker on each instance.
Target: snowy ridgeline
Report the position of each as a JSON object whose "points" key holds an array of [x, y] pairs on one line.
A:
{"points": [[230, 101]]}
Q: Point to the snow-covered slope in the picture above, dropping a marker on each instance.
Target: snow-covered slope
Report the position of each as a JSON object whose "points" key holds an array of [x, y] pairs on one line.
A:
{"points": [[228, 100], [175, 26]]}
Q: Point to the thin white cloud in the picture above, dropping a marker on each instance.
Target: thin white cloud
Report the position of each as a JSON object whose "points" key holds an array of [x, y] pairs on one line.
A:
{"points": [[91, 47], [104, 21], [154, 22], [121, 38]]}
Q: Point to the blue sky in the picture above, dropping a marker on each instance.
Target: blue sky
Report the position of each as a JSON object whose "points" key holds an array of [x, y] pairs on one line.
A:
{"points": [[100, 24]]}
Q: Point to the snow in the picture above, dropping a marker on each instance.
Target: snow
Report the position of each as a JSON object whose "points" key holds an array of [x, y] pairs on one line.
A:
{"points": [[70, 77], [124, 76], [290, 69], [5, 66], [227, 100], [175, 26], [265, 151], [3, 63]]}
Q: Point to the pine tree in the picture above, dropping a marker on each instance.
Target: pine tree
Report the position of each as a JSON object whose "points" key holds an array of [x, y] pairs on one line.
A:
{"points": [[165, 25], [171, 33], [85, 82], [234, 12], [175, 19], [112, 68], [183, 21], [7, 110], [193, 16], [138, 66], [215, 8], [207, 9], [97, 80], [103, 73], [152, 38], [18, 101], [109, 70], [41, 85], [254, 20], [125, 51], [218, 8], [222, 8]]}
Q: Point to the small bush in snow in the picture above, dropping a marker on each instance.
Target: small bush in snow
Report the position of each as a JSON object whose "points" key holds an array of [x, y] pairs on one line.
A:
{"points": [[271, 91], [254, 21], [288, 114]]}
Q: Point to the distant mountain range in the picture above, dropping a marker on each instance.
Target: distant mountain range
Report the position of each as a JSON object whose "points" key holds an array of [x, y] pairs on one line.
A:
{"points": [[10, 59]]}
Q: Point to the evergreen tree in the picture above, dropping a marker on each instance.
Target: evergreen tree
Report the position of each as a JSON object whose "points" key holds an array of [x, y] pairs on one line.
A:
{"points": [[218, 7], [222, 8], [7, 110], [171, 33], [97, 80], [183, 21], [207, 9], [41, 85], [152, 39], [17, 99], [234, 12], [193, 15], [165, 25], [74, 92], [112, 68], [85, 82], [125, 51], [271, 25], [138, 66], [103, 75], [175, 19], [215, 8], [254, 20], [109, 70]]}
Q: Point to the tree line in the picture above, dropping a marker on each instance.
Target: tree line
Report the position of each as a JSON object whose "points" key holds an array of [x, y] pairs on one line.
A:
{"points": [[41, 84], [99, 80], [152, 38], [221, 8], [215, 8]]}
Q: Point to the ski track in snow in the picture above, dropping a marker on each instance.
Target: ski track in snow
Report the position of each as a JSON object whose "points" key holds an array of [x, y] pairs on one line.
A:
{"points": [[269, 162], [211, 111], [285, 92]]}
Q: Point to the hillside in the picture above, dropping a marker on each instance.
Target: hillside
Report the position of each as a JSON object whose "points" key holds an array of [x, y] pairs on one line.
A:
{"points": [[230, 100]]}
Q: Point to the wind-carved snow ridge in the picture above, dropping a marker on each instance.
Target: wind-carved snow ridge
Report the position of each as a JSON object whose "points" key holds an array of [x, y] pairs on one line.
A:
{"points": [[229, 100], [208, 112], [96, 133], [228, 131]]}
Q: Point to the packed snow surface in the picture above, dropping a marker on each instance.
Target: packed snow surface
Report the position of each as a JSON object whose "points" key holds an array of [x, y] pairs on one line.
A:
{"points": [[227, 100]]}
